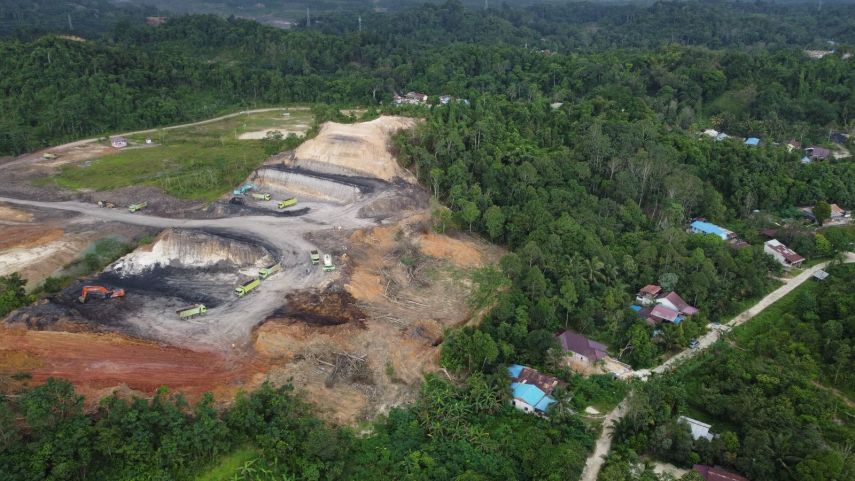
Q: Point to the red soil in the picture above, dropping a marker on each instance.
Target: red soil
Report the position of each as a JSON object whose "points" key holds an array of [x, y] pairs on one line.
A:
{"points": [[94, 362]]}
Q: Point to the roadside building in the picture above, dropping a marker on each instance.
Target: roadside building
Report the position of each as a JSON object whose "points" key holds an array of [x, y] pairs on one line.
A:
{"points": [[838, 214], [579, 348], [783, 254], [673, 301]]}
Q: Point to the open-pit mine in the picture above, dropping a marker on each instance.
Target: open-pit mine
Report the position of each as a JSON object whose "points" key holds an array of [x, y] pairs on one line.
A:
{"points": [[225, 295]]}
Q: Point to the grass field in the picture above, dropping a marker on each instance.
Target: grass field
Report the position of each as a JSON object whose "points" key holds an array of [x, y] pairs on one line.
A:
{"points": [[200, 163], [228, 466]]}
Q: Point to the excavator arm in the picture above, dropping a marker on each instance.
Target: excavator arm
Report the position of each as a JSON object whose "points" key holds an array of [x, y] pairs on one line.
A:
{"points": [[100, 292]]}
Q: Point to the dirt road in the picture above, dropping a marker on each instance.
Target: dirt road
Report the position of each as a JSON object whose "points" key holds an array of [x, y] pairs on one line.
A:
{"points": [[604, 442]]}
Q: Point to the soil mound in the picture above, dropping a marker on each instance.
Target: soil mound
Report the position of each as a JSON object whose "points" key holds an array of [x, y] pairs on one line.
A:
{"points": [[355, 149]]}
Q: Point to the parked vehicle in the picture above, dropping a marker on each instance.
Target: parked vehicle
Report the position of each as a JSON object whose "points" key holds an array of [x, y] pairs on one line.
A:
{"points": [[287, 202], [191, 311]]}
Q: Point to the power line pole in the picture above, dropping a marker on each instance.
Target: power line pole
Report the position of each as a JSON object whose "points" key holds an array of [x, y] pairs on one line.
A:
{"points": [[70, 25], [486, 4], [308, 18], [360, 24]]}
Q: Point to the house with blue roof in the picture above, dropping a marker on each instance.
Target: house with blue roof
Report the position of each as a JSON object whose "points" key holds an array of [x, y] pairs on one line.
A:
{"points": [[531, 390], [703, 227], [752, 141]]}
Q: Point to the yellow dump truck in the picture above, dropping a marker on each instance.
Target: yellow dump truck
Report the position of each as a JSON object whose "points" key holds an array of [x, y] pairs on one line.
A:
{"points": [[287, 202], [266, 272], [261, 196], [247, 287], [138, 206], [191, 311]]}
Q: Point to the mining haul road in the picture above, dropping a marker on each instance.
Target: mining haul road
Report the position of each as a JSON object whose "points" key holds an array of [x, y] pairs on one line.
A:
{"points": [[230, 326]]}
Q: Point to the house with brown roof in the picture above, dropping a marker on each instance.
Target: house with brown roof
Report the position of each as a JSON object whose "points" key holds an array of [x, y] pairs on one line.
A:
{"points": [[581, 349], [710, 473], [783, 254], [647, 295]]}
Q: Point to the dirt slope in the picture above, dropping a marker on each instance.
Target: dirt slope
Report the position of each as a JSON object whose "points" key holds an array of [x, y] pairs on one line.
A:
{"points": [[355, 149]]}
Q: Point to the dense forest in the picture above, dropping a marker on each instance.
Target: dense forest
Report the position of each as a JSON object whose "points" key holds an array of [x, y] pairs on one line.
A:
{"points": [[769, 394], [137, 76], [579, 151]]}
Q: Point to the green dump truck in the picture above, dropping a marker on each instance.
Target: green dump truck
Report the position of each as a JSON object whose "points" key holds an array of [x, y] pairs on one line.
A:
{"points": [[316, 257], [266, 272], [328, 265], [287, 202], [247, 287], [191, 311], [261, 196], [136, 207]]}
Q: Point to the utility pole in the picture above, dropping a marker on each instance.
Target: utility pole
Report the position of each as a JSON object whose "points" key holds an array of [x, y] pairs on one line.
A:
{"points": [[486, 4], [360, 24], [70, 25], [308, 18]]}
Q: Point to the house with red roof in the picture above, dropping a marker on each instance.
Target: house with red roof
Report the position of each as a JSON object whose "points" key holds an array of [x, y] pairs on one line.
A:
{"points": [[657, 306], [783, 254], [710, 473]]}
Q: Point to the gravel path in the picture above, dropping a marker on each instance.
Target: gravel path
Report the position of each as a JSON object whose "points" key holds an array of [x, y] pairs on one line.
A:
{"points": [[595, 461]]}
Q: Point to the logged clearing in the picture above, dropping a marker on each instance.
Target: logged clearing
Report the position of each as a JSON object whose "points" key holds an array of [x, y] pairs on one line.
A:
{"points": [[459, 253], [355, 149]]}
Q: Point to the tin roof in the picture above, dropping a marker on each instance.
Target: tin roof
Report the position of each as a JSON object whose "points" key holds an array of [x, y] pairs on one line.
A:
{"points": [[575, 342]]}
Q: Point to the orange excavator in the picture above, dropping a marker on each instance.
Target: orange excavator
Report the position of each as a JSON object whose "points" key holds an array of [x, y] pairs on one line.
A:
{"points": [[100, 292]]}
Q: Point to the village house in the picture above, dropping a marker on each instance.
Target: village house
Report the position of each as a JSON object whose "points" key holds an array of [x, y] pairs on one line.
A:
{"points": [[411, 98], [119, 142], [711, 133], [793, 144], [838, 214], [581, 349], [699, 429], [839, 138], [531, 390], [703, 227], [656, 306], [783, 254], [648, 294], [817, 153], [710, 473]]}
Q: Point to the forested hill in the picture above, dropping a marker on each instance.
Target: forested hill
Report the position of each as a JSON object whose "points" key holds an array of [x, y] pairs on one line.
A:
{"points": [[599, 25], [29, 19], [56, 89]]}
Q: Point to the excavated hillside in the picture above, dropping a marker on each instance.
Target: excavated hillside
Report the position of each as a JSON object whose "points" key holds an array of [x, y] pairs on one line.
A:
{"points": [[355, 149]]}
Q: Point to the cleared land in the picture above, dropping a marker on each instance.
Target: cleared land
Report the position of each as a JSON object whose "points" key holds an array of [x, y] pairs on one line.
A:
{"points": [[199, 163], [356, 340]]}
